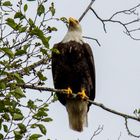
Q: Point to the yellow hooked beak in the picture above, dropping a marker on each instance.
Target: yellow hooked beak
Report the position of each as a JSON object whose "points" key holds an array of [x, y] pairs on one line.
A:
{"points": [[73, 22]]}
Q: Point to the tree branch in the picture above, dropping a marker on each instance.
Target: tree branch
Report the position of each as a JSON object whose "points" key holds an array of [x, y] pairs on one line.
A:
{"points": [[97, 132], [92, 39], [87, 9], [125, 25], [129, 132], [25, 69], [62, 91]]}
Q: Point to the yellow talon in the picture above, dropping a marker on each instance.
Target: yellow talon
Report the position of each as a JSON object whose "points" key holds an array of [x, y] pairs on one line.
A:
{"points": [[68, 91], [83, 95]]}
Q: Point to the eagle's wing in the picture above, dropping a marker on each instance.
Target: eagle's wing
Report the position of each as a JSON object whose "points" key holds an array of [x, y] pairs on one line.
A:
{"points": [[91, 64]]}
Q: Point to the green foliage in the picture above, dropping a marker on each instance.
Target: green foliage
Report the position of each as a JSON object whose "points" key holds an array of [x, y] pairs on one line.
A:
{"points": [[25, 7], [40, 10], [23, 43], [8, 52], [137, 113], [41, 76], [35, 137], [52, 9], [7, 3]]}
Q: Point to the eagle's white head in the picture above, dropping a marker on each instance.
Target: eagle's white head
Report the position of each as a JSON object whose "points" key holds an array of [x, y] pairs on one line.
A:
{"points": [[74, 32]]}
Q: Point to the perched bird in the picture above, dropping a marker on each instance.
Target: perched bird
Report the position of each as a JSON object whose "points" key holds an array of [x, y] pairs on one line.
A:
{"points": [[73, 69]]}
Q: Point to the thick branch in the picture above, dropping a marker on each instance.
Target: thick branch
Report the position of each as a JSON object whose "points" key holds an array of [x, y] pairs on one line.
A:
{"points": [[114, 112], [62, 91], [87, 9]]}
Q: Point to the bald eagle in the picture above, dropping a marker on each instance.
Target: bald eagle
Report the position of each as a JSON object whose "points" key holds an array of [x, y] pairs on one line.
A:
{"points": [[73, 69]]}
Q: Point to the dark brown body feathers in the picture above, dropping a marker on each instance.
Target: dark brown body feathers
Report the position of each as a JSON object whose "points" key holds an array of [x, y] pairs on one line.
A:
{"points": [[74, 67]]}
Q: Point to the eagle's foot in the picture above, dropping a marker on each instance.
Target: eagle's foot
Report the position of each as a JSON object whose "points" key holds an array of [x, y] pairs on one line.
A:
{"points": [[82, 95], [68, 92]]}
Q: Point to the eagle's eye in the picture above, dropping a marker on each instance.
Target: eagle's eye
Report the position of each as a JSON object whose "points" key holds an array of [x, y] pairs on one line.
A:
{"points": [[77, 21]]}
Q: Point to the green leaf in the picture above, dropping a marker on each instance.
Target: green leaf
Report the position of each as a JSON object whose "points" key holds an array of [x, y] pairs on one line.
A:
{"points": [[11, 23], [40, 10], [17, 116], [44, 51], [20, 52], [36, 31], [50, 29], [42, 128], [18, 93], [33, 125], [35, 137], [25, 7], [1, 121], [22, 29], [138, 111], [19, 15], [47, 120], [13, 103], [18, 78], [22, 127], [6, 116], [1, 136], [41, 113], [5, 127], [52, 9], [25, 47], [41, 76], [31, 23], [8, 52], [55, 50], [31, 104], [2, 85], [18, 135], [45, 41], [64, 19], [7, 3]]}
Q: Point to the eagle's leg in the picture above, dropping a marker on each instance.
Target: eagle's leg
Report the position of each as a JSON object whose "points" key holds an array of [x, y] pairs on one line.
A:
{"points": [[68, 92], [82, 94]]}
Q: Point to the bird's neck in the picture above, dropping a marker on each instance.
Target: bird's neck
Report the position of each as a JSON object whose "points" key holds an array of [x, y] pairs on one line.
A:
{"points": [[73, 36]]}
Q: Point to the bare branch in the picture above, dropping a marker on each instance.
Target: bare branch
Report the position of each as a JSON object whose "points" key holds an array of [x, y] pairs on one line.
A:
{"points": [[82, 16], [99, 19], [97, 132], [129, 11], [63, 91], [125, 25], [127, 128], [92, 39], [87, 9], [120, 136]]}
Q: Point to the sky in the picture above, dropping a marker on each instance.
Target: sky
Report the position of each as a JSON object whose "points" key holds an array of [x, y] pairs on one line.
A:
{"points": [[117, 71]]}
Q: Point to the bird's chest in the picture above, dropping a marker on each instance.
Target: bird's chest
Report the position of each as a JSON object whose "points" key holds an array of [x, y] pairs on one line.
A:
{"points": [[72, 56]]}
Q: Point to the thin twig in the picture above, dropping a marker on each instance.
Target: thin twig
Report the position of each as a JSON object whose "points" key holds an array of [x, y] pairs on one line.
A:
{"points": [[125, 25], [120, 136], [127, 128], [97, 132], [92, 39]]}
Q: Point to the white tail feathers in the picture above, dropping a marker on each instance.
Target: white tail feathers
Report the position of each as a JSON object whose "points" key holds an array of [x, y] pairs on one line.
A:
{"points": [[77, 112]]}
